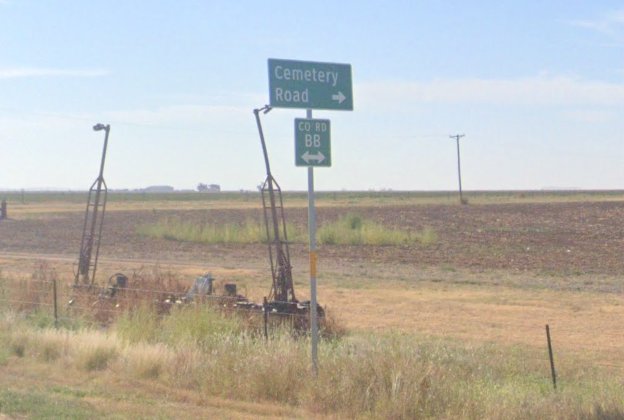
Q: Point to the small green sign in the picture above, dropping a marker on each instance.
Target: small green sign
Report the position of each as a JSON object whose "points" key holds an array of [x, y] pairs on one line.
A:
{"points": [[312, 142], [310, 85]]}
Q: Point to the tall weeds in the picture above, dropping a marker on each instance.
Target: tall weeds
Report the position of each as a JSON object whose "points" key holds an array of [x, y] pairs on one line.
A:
{"points": [[352, 229], [236, 233], [389, 376]]}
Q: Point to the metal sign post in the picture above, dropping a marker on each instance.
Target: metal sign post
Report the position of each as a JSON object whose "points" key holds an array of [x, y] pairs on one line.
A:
{"points": [[313, 260], [311, 85], [312, 148]]}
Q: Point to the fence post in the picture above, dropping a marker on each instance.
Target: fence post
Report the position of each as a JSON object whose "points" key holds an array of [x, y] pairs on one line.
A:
{"points": [[550, 354], [55, 302], [265, 315]]}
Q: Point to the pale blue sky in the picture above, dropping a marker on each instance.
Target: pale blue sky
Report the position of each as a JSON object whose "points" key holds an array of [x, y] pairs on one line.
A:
{"points": [[536, 86]]}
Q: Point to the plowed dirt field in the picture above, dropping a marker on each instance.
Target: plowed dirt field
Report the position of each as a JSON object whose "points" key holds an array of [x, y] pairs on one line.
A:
{"points": [[555, 238]]}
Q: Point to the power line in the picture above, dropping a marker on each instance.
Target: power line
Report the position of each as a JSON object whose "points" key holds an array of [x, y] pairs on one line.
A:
{"points": [[113, 121]]}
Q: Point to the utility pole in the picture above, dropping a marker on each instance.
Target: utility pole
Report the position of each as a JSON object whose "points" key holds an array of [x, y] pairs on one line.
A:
{"points": [[457, 137]]}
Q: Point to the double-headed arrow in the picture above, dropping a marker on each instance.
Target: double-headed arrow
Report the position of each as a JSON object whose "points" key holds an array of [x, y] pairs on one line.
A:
{"points": [[307, 157]]}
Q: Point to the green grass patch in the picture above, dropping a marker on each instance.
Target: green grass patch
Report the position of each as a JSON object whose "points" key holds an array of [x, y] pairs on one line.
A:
{"points": [[39, 405], [67, 391], [247, 232], [139, 325], [5, 352], [198, 325], [352, 229]]}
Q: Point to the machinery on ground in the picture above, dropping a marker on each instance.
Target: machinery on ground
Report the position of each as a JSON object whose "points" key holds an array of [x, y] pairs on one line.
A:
{"points": [[281, 298]]}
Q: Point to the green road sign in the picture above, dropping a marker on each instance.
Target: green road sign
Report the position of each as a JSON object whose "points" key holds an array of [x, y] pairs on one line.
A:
{"points": [[312, 142], [310, 85]]}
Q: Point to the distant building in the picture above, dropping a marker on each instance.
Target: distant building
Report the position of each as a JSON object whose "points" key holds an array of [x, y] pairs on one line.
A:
{"points": [[158, 189], [208, 188]]}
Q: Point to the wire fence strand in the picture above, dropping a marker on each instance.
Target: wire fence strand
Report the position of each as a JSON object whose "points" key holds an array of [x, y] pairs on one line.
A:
{"points": [[112, 301]]}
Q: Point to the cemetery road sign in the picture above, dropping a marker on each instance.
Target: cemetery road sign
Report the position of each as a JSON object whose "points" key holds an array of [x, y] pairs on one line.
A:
{"points": [[312, 142], [310, 85]]}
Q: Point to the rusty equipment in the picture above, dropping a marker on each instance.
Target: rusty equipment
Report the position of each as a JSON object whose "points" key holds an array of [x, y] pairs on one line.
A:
{"points": [[93, 222], [282, 297], [282, 290]]}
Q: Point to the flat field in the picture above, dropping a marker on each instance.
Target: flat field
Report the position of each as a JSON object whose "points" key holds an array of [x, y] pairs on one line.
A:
{"points": [[498, 270]]}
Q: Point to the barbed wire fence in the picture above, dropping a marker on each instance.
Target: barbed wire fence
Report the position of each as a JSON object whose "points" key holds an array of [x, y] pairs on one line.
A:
{"points": [[66, 304]]}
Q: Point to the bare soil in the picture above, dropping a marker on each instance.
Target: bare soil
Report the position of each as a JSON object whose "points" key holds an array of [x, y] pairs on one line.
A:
{"points": [[569, 238]]}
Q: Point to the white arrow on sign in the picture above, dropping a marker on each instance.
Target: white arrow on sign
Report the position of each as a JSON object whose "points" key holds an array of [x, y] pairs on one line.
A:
{"points": [[319, 157], [339, 97]]}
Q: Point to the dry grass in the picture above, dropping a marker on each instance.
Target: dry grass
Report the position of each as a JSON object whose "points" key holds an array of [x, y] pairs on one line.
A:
{"points": [[45, 205], [18, 342], [75, 394], [53, 345], [248, 232], [92, 350], [472, 307], [34, 292], [494, 306], [149, 287], [388, 376], [148, 361]]}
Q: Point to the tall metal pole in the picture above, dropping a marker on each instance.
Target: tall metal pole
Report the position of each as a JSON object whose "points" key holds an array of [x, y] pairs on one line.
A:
{"points": [[106, 130], [276, 235], [256, 112], [313, 260], [282, 276], [97, 199], [88, 234], [100, 180], [457, 137]]}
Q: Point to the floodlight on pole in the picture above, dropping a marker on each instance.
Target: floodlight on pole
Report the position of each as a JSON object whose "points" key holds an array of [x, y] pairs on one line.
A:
{"points": [[93, 222], [265, 109]]}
